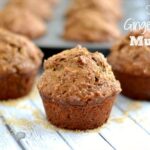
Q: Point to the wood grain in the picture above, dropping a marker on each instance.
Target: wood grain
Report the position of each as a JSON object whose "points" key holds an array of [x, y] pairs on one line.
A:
{"points": [[127, 128]]}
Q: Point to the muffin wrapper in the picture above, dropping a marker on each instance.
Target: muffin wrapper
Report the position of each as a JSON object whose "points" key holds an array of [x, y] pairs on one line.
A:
{"points": [[78, 117]]}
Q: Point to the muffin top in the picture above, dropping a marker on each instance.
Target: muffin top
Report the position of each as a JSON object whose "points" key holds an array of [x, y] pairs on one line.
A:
{"points": [[17, 54], [90, 25], [131, 59], [78, 77], [106, 8], [21, 21]]}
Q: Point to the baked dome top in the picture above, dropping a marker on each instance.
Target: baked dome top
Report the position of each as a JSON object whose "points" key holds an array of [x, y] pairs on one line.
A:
{"points": [[17, 53], [78, 77]]}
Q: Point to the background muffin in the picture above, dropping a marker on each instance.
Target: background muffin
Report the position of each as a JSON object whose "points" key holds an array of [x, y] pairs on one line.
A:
{"points": [[40, 8], [131, 65], [89, 25], [19, 64], [78, 89], [93, 20], [21, 21]]}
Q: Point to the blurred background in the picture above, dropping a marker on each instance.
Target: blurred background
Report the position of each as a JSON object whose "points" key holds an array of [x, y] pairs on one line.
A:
{"points": [[96, 24]]}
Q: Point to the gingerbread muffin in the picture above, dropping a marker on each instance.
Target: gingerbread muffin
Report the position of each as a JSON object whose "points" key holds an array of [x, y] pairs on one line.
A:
{"points": [[21, 21], [19, 64], [90, 26], [40, 8], [78, 89], [131, 65]]}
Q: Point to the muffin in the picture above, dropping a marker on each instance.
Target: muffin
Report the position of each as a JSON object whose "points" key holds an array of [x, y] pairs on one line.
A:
{"points": [[90, 26], [19, 64], [21, 21], [131, 66], [78, 89], [109, 9], [39, 8]]}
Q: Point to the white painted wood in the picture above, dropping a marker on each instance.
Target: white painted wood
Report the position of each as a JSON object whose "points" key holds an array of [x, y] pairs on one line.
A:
{"points": [[37, 137], [36, 99], [6, 140], [85, 141], [138, 110], [124, 134]]}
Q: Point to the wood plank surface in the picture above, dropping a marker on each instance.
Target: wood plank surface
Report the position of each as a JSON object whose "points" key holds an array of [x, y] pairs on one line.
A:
{"points": [[24, 126]]}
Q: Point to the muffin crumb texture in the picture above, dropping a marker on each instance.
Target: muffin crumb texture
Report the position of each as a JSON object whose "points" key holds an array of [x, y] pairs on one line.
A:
{"points": [[78, 77]]}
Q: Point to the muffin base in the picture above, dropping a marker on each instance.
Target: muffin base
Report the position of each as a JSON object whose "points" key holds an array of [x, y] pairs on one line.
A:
{"points": [[135, 87], [78, 117], [16, 85]]}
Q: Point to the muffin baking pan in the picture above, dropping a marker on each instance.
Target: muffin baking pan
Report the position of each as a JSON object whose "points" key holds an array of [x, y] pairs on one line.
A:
{"points": [[53, 39]]}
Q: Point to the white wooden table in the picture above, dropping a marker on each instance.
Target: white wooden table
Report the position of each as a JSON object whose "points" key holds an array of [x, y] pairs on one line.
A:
{"points": [[23, 126]]}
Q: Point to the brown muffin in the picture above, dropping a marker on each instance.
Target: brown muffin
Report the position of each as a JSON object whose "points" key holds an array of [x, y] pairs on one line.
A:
{"points": [[40, 8], [110, 9], [90, 26], [131, 65], [19, 63], [21, 21], [78, 89]]}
